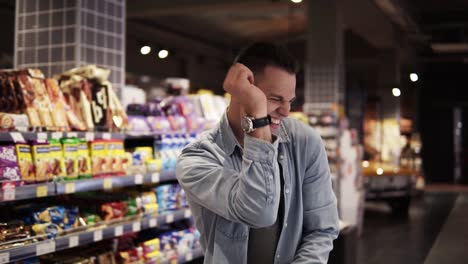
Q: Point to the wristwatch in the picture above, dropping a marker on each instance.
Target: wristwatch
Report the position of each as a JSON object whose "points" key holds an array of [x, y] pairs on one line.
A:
{"points": [[249, 124]]}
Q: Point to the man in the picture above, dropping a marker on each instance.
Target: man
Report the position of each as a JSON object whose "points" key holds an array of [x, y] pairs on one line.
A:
{"points": [[258, 184]]}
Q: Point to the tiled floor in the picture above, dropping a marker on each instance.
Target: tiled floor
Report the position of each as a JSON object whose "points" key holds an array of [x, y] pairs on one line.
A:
{"points": [[389, 239]]}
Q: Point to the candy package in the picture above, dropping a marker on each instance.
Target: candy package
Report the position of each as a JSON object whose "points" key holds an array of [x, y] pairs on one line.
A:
{"points": [[25, 163]]}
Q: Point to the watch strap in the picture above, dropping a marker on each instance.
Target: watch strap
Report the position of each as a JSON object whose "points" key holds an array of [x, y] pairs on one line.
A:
{"points": [[261, 122]]}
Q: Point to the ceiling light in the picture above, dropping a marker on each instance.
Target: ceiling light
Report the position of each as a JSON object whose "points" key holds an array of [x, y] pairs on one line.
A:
{"points": [[162, 54], [365, 163], [296, 1], [413, 77], [379, 171], [145, 50], [396, 92]]}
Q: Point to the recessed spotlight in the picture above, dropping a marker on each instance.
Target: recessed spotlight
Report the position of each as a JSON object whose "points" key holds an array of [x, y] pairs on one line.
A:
{"points": [[365, 163], [396, 92], [162, 54], [145, 50], [296, 1], [379, 171], [414, 77]]}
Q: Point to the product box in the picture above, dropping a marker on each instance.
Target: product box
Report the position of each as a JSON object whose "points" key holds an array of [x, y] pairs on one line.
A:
{"points": [[117, 154], [13, 122], [25, 163], [99, 158], [84, 160], [8, 164], [42, 160], [57, 159], [70, 154]]}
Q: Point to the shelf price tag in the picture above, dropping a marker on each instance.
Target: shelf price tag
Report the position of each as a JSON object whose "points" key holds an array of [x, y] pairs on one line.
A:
{"points": [[57, 135], [72, 134], [70, 187], [189, 257], [118, 231], [4, 258], [187, 213], [97, 235], [153, 222], [41, 191], [169, 218], [89, 136], [42, 136], [106, 136], [17, 137], [45, 248], [138, 179], [136, 227], [8, 191], [107, 184], [155, 177], [73, 241]]}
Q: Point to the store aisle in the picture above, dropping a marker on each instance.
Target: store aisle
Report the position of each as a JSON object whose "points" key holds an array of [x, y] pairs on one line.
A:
{"points": [[388, 239]]}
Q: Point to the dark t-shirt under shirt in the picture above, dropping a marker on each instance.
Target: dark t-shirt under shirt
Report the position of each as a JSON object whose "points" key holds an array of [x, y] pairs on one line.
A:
{"points": [[263, 241]]}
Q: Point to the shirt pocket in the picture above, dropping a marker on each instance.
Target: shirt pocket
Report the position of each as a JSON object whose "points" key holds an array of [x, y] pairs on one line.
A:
{"points": [[231, 230]]}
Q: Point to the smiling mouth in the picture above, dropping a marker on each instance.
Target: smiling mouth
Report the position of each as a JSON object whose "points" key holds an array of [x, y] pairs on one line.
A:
{"points": [[275, 121]]}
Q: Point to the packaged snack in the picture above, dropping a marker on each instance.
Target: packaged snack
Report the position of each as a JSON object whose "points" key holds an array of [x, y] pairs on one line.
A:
{"points": [[13, 231], [84, 160], [151, 208], [118, 117], [98, 157], [49, 229], [146, 153], [58, 104], [54, 214], [100, 105], [157, 120], [14, 122], [25, 163], [114, 210], [71, 218], [117, 154], [9, 169], [70, 154], [151, 246], [42, 160], [132, 208], [28, 91], [136, 118], [77, 93], [153, 165], [57, 164], [148, 198]]}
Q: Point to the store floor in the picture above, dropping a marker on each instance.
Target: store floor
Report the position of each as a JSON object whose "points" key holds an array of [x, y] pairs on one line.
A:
{"points": [[411, 239]]}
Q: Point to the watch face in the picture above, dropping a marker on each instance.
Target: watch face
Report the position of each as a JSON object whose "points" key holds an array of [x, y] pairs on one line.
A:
{"points": [[247, 124]]}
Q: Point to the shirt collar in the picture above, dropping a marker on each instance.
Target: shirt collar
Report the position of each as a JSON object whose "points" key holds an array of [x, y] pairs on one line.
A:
{"points": [[230, 141]]}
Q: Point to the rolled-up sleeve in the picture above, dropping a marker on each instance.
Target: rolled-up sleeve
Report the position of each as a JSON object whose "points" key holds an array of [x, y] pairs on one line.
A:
{"points": [[248, 196]]}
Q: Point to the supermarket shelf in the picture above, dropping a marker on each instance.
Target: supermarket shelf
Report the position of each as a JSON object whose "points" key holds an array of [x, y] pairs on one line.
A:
{"points": [[28, 136], [195, 254], [102, 232], [68, 187]]}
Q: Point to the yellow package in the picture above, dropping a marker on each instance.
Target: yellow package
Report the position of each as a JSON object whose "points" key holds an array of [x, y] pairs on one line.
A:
{"points": [[153, 165], [99, 164], [151, 246], [84, 160], [57, 164], [145, 152], [151, 208], [42, 160], [117, 152], [25, 163], [70, 154]]}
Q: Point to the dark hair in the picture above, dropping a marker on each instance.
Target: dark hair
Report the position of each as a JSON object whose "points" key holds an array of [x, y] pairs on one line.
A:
{"points": [[258, 55]]}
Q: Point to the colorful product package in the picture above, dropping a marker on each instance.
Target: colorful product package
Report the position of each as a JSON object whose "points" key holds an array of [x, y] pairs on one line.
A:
{"points": [[9, 169], [42, 161], [25, 163], [98, 158], [84, 160], [57, 160], [59, 115], [16, 122], [70, 154], [113, 210], [117, 152]]}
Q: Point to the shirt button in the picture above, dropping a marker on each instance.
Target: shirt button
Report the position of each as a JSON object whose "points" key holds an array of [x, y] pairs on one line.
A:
{"points": [[277, 256], [286, 224], [281, 157], [287, 191]]}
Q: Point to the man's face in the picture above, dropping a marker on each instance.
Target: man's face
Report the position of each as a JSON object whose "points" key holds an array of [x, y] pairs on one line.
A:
{"points": [[279, 87]]}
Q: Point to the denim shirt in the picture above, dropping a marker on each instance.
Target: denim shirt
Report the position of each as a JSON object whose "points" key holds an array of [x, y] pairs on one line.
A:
{"points": [[231, 189]]}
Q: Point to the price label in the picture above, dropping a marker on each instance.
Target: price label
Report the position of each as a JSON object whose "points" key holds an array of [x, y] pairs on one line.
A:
{"points": [[169, 218], [188, 256], [70, 187], [72, 134], [4, 258], [118, 231], [107, 184], [57, 135], [41, 191], [97, 235], [106, 136], [138, 179], [153, 222], [45, 248], [73, 241], [136, 227], [187, 213], [155, 177], [17, 137], [89, 136], [8, 191], [42, 136]]}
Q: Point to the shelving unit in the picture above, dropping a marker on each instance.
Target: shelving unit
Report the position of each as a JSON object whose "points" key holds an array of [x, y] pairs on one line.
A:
{"points": [[94, 234]]}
